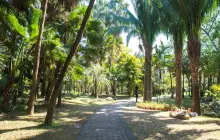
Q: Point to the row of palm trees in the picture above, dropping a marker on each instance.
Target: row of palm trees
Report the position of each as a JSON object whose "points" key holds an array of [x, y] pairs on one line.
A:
{"points": [[178, 18]]}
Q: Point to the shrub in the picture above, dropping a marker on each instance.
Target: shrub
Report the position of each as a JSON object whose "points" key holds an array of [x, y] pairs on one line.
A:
{"points": [[212, 109], [216, 91], [156, 106]]}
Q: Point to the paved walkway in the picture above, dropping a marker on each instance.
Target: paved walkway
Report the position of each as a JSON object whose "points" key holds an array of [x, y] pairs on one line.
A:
{"points": [[106, 124]]}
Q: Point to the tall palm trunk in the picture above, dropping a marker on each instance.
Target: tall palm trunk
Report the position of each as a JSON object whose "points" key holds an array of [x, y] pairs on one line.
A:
{"points": [[194, 56], [36, 61], [50, 110], [148, 73], [178, 58]]}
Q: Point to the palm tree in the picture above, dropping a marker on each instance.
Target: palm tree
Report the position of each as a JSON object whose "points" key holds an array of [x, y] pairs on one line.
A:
{"points": [[37, 61], [192, 13], [143, 23], [99, 78], [113, 43], [175, 26]]}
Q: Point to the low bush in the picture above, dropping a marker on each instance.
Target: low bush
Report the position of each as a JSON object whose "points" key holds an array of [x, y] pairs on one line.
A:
{"points": [[156, 106], [211, 109]]}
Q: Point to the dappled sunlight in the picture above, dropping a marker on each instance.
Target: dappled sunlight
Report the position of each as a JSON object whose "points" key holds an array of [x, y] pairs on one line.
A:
{"points": [[151, 125], [68, 121]]}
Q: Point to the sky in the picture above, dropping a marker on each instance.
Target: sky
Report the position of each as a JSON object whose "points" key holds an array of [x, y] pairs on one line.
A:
{"points": [[134, 42]]}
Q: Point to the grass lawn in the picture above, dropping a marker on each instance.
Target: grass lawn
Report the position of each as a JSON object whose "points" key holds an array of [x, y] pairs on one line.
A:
{"points": [[68, 120]]}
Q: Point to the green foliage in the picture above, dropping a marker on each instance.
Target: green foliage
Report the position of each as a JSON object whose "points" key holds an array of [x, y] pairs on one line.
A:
{"points": [[35, 14], [17, 26], [28, 32], [216, 91], [97, 74]]}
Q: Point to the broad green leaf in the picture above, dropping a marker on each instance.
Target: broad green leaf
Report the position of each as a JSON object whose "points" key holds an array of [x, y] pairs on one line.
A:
{"points": [[17, 26], [35, 19]]}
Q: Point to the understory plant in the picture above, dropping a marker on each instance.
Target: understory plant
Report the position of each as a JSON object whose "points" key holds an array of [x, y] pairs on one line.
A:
{"points": [[156, 106]]}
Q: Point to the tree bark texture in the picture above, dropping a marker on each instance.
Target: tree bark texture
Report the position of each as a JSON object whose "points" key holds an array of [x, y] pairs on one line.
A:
{"points": [[148, 73], [37, 61], [50, 110], [59, 98], [194, 56], [6, 97], [178, 61]]}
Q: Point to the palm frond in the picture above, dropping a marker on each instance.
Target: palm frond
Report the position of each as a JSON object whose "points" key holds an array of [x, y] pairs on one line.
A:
{"points": [[133, 33], [117, 29]]}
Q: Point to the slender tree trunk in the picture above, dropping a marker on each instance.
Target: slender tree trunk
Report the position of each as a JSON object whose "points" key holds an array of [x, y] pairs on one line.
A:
{"points": [[96, 93], [194, 55], [43, 75], [203, 84], [50, 110], [178, 57], [36, 61], [171, 85], [209, 81], [183, 87], [148, 73], [47, 92]]}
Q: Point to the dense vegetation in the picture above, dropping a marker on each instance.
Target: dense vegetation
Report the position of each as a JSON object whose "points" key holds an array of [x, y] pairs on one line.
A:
{"points": [[51, 49]]}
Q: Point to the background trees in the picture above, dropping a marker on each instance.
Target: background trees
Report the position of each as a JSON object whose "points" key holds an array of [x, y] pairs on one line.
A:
{"points": [[96, 61]]}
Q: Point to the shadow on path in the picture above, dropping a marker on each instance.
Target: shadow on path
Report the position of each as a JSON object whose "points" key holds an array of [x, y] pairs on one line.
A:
{"points": [[107, 124]]}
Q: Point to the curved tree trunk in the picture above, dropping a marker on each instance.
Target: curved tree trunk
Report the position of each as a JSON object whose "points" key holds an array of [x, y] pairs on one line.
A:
{"points": [[178, 57], [37, 61], [194, 56], [50, 110]]}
